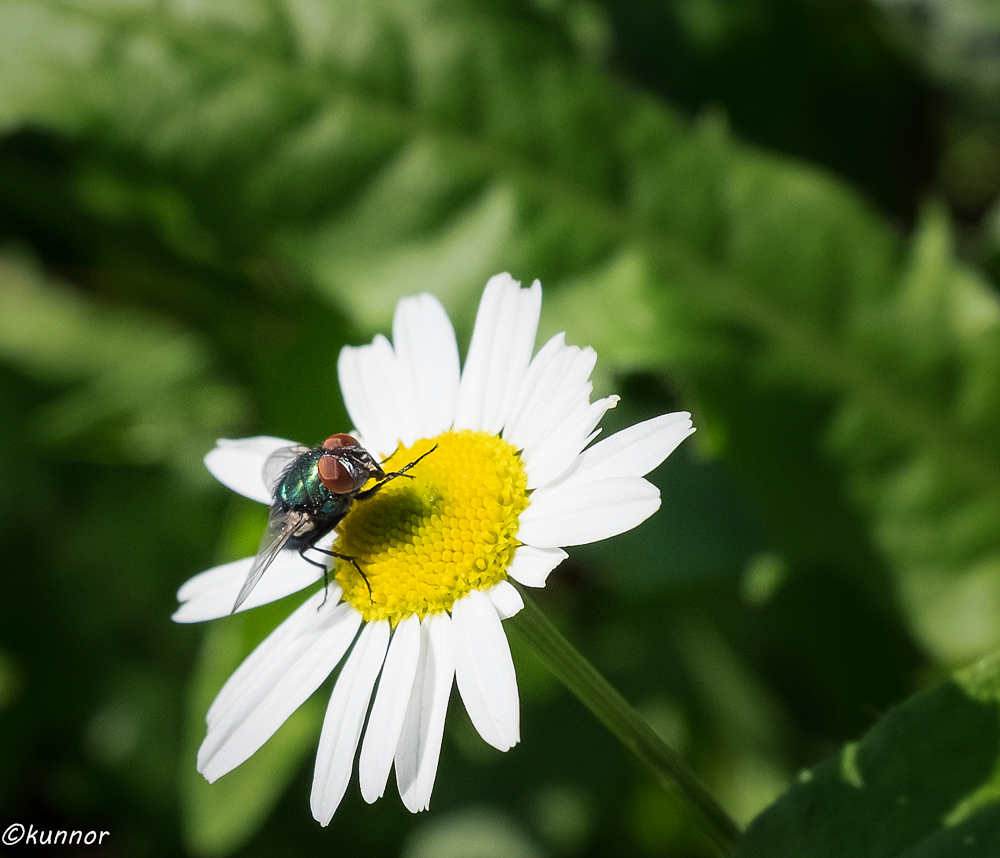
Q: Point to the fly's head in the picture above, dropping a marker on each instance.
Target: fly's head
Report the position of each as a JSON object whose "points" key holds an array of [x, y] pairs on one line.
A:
{"points": [[345, 466]]}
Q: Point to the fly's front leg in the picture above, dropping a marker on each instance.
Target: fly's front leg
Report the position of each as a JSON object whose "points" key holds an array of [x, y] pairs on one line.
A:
{"points": [[326, 571], [367, 493]]}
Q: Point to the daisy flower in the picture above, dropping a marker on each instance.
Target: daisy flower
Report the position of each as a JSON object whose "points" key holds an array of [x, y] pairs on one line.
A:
{"points": [[509, 482]]}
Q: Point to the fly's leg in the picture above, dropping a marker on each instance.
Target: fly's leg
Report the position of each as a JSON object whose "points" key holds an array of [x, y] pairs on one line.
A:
{"points": [[326, 571], [393, 453], [367, 493]]}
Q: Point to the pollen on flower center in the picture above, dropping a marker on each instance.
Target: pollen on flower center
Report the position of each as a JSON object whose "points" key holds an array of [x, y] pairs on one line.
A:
{"points": [[425, 542]]}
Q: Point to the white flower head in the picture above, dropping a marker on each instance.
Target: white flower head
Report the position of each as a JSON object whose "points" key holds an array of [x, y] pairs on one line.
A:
{"points": [[510, 480]]}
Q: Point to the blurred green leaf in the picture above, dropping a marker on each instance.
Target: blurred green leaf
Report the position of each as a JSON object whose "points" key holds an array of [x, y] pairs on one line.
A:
{"points": [[126, 381], [473, 834], [924, 459], [924, 782], [387, 148], [365, 150]]}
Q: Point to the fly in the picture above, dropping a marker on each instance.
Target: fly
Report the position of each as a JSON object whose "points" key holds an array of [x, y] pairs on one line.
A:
{"points": [[312, 490]]}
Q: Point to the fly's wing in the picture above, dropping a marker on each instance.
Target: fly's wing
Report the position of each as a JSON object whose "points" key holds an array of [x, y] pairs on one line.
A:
{"points": [[277, 463], [280, 528]]}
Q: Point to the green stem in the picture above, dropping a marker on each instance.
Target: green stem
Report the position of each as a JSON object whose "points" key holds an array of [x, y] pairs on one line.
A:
{"points": [[615, 712]]}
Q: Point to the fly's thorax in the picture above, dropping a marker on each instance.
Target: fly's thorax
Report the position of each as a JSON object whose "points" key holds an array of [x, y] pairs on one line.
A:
{"points": [[303, 487], [300, 487]]}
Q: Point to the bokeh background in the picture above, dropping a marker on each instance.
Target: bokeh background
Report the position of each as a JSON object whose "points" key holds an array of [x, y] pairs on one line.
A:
{"points": [[777, 214]]}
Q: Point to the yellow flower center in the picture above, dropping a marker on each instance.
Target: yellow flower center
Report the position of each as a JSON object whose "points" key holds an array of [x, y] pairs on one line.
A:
{"points": [[424, 542]]}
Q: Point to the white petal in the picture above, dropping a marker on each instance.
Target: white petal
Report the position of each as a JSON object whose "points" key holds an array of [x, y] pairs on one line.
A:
{"points": [[369, 382], [632, 452], [261, 659], [499, 353], [345, 716], [283, 674], [562, 444], [579, 514], [239, 464], [484, 670], [545, 380], [423, 728], [389, 708], [556, 386], [427, 360], [553, 418], [531, 566], [306, 617], [211, 594], [505, 599]]}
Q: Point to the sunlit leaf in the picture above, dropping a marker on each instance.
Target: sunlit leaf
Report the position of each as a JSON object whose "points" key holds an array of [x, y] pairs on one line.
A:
{"points": [[924, 782]]}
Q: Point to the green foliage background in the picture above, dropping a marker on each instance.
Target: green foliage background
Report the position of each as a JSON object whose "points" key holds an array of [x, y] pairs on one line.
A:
{"points": [[778, 214]]}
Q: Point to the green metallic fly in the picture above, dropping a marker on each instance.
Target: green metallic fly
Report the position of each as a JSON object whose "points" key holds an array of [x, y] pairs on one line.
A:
{"points": [[313, 488]]}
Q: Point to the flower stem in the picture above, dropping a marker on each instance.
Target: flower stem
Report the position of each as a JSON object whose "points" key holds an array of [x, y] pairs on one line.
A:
{"points": [[615, 712]]}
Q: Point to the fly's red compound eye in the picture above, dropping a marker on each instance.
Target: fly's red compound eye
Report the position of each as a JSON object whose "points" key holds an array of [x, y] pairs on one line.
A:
{"points": [[340, 440], [334, 475]]}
